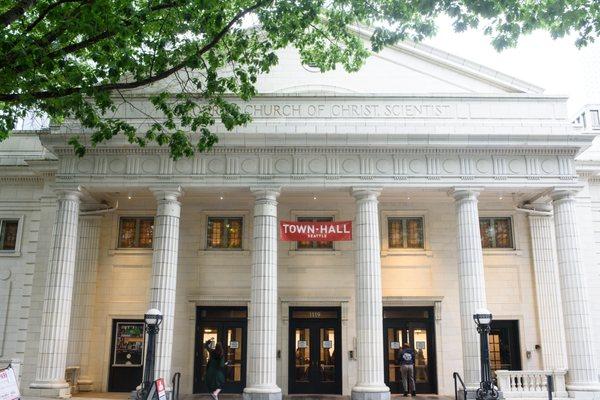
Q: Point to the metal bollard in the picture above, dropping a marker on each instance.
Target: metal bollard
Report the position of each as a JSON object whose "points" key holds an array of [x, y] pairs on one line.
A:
{"points": [[550, 384]]}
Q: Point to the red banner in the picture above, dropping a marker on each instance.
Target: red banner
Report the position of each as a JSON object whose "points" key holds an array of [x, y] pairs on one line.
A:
{"points": [[324, 231]]}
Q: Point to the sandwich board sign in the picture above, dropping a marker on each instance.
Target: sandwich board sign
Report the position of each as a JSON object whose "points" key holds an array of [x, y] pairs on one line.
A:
{"points": [[157, 390], [9, 389]]}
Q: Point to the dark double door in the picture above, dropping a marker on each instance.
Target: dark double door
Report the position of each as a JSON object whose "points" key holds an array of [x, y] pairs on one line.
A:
{"points": [[315, 351], [228, 326], [415, 326]]}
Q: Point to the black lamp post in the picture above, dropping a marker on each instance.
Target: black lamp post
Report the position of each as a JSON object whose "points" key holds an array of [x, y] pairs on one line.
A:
{"points": [[486, 391], [153, 319]]}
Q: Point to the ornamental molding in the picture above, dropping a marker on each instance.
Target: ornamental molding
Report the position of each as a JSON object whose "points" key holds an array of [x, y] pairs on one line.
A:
{"points": [[24, 180], [274, 167], [68, 151]]}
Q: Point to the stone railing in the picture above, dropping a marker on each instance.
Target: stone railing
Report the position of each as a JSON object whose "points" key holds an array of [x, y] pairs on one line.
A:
{"points": [[531, 384]]}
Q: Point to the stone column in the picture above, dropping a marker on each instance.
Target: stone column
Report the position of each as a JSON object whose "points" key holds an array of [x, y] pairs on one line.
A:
{"points": [[262, 330], [471, 280], [547, 287], [84, 292], [370, 383], [56, 313], [582, 375], [164, 274]]}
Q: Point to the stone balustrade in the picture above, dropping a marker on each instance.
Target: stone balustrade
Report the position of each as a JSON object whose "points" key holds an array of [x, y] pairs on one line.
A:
{"points": [[531, 384]]}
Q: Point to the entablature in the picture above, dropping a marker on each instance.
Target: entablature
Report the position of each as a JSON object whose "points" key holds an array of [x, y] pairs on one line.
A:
{"points": [[338, 166]]}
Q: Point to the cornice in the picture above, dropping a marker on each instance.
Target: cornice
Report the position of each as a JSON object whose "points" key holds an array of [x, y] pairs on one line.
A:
{"points": [[68, 151]]}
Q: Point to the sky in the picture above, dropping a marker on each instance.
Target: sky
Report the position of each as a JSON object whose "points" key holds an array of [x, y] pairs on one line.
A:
{"points": [[555, 65]]}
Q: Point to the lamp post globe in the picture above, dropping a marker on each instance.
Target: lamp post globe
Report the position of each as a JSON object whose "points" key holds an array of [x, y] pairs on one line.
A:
{"points": [[483, 320], [482, 317], [153, 319]]}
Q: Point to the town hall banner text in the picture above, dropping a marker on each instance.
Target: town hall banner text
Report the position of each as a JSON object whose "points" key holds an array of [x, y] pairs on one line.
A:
{"points": [[321, 231]]}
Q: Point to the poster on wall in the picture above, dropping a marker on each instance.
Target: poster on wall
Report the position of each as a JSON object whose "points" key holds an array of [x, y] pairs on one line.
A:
{"points": [[319, 231], [9, 388], [129, 344]]}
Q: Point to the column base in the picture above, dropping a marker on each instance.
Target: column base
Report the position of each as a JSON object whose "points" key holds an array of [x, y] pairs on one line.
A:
{"points": [[370, 393], [85, 385], [584, 392], [60, 390], [262, 394]]}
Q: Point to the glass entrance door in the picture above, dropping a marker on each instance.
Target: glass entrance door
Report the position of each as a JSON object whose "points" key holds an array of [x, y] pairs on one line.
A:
{"points": [[228, 327], [413, 326], [505, 350], [315, 351]]}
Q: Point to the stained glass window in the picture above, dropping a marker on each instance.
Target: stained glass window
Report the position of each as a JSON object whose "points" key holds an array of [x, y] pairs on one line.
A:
{"points": [[314, 244], [8, 234], [496, 233], [405, 233], [224, 233], [136, 232]]}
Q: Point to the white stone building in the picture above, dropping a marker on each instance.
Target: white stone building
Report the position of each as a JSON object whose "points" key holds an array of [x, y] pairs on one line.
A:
{"points": [[463, 189]]}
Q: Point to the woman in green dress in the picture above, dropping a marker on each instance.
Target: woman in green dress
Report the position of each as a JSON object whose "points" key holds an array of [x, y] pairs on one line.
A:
{"points": [[214, 371]]}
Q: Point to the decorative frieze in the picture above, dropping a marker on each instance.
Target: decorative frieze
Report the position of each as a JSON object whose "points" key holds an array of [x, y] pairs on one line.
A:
{"points": [[347, 166]]}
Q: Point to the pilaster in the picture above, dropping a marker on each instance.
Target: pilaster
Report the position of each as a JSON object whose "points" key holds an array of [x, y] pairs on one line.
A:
{"points": [[84, 293], [550, 315]]}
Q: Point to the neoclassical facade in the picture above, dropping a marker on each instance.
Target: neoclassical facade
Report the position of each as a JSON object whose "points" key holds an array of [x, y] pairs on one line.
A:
{"points": [[467, 188]]}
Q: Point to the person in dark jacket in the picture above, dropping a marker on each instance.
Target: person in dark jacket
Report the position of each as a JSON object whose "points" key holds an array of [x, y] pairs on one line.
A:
{"points": [[407, 369], [214, 371]]}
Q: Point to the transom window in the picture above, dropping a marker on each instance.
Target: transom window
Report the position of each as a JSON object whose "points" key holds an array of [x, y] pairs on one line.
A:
{"points": [[224, 233], [405, 233], [136, 232], [496, 233], [313, 244], [8, 234]]}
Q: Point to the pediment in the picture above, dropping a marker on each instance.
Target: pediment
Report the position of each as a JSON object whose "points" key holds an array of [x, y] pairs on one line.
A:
{"points": [[403, 69]]}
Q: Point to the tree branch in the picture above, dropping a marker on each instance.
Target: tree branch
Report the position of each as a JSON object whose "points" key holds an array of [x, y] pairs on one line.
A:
{"points": [[46, 11], [102, 35], [43, 95], [14, 13]]}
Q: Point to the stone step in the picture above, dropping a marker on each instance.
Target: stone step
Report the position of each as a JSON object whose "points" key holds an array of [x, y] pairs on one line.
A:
{"points": [[236, 396]]}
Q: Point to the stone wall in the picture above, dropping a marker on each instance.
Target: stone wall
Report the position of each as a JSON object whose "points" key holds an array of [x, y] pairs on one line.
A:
{"points": [[220, 277]]}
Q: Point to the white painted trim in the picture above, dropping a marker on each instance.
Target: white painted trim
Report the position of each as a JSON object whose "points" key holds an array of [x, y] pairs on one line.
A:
{"points": [[411, 301], [21, 221], [515, 226], [246, 232], [387, 213]]}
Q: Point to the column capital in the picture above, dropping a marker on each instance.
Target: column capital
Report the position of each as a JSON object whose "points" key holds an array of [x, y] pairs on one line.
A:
{"points": [[265, 192], [365, 192], [69, 193], [564, 193], [465, 192], [168, 193], [537, 209]]}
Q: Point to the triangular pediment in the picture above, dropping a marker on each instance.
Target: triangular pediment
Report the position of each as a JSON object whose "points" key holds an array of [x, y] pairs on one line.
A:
{"points": [[407, 68]]}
